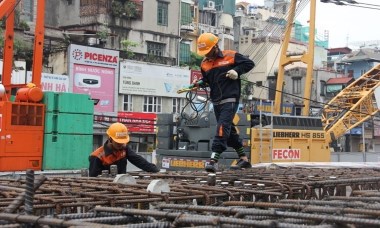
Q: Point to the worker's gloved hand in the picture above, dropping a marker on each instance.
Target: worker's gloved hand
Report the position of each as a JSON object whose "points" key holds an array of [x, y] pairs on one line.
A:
{"points": [[232, 74], [154, 169], [195, 84]]}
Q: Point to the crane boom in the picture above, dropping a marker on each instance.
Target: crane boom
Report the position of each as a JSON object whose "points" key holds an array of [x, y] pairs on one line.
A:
{"points": [[352, 106]]}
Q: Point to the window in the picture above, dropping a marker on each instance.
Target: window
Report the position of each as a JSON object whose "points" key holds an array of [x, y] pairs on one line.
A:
{"points": [[323, 88], [178, 104], [28, 10], [184, 53], [350, 73], [156, 49], [162, 13], [296, 85], [152, 104], [127, 103], [186, 14], [335, 88]]}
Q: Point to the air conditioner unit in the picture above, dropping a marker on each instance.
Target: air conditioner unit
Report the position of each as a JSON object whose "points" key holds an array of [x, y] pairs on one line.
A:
{"points": [[92, 41], [211, 4]]}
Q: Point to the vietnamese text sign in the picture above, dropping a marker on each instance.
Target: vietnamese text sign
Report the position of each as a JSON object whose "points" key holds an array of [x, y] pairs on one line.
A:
{"points": [[154, 80]]}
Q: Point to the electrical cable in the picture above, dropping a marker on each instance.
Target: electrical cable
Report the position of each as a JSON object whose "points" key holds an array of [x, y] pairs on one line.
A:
{"points": [[192, 95], [276, 32], [353, 3], [303, 98], [195, 106], [262, 52]]}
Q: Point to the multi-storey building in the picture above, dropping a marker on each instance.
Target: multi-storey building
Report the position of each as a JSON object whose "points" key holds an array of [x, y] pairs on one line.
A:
{"points": [[259, 31]]}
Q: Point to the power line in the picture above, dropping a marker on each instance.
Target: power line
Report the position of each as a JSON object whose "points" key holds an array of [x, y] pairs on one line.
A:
{"points": [[352, 3], [304, 98]]}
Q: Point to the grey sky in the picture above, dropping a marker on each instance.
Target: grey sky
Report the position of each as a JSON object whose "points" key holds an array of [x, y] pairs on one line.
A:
{"points": [[346, 24]]}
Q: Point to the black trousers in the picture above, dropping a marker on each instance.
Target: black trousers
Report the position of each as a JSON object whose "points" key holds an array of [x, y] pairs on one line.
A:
{"points": [[226, 134]]}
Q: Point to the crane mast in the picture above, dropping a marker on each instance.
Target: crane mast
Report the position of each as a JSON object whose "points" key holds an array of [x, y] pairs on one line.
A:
{"points": [[307, 58], [7, 10], [22, 119]]}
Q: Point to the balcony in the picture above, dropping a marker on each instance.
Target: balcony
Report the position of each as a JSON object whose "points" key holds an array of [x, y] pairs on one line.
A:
{"points": [[150, 58], [187, 28]]}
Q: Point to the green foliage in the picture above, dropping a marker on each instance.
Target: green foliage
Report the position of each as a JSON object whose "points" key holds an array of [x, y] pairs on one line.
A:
{"points": [[130, 9], [1, 36], [22, 50], [117, 8], [24, 25], [123, 8], [151, 58], [102, 34], [127, 45], [20, 47], [195, 61]]}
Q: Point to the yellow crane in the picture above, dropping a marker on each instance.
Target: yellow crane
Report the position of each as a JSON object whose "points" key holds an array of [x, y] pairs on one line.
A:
{"points": [[304, 138]]}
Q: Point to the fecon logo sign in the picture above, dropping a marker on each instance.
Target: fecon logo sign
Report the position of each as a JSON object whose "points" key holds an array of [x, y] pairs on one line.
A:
{"points": [[286, 154]]}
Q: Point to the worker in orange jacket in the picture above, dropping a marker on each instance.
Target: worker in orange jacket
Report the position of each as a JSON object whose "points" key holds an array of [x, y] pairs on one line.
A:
{"points": [[115, 151], [221, 71]]}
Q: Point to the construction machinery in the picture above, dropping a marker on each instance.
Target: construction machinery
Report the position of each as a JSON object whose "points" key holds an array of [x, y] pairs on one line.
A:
{"points": [[303, 138], [40, 130], [274, 137], [21, 120]]}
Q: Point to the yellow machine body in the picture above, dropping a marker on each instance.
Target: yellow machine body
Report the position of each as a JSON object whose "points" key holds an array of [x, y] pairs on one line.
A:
{"points": [[288, 145]]}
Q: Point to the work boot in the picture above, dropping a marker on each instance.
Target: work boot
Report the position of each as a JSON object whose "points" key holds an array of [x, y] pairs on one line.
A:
{"points": [[211, 167], [241, 164]]}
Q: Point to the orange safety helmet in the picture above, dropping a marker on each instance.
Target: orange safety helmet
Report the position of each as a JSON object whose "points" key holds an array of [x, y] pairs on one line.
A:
{"points": [[118, 132], [206, 42]]}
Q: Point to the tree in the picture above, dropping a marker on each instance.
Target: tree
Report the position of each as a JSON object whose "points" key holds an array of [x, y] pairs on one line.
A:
{"points": [[124, 8], [127, 45], [195, 61]]}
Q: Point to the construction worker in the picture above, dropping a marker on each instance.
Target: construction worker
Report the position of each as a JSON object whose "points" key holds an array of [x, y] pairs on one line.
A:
{"points": [[221, 71], [115, 151]]}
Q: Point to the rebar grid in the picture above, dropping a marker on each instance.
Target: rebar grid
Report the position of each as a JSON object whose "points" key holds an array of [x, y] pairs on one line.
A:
{"points": [[258, 197]]}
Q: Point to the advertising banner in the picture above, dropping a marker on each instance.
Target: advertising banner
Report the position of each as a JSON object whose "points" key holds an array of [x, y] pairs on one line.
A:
{"points": [[52, 82], [98, 82], [145, 79], [94, 71], [196, 75], [138, 122]]}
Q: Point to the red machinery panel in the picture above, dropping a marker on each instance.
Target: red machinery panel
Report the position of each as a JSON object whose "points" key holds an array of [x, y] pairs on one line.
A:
{"points": [[21, 136]]}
